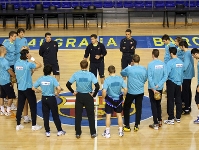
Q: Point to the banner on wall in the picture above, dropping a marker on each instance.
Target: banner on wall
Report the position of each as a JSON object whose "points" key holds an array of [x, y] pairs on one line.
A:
{"points": [[110, 42]]}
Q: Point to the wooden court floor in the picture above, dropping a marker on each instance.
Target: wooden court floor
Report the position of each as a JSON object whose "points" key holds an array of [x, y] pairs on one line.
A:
{"points": [[181, 136]]}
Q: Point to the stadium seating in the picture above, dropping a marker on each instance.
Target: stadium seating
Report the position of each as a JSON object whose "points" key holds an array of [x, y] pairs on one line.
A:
{"points": [[100, 3]]}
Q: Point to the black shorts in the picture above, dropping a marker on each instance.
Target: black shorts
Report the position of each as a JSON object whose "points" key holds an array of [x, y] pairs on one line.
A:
{"points": [[109, 109], [7, 91], [197, 97], [13, 68], [97, 66], [55, 68]]}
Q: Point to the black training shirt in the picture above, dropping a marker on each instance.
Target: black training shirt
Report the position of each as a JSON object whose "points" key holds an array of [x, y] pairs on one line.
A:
{"points": [[48, 50], [95, 50], [126, 46]]}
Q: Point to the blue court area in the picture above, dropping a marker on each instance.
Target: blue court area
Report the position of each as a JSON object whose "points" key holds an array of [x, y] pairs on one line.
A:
{"points": [[110, 42], [67, 114]]}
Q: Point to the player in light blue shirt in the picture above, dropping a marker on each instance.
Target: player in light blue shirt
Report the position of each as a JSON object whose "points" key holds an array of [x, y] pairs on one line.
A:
{"points": [[195, 54], [180, 53], [20, 42], [174, 85], [84, 97], [137, 76], [157, 76], [167, 42], [113, 96], [6, 88], [188, 74], [11, 49], [23, 70], [49, 102]]}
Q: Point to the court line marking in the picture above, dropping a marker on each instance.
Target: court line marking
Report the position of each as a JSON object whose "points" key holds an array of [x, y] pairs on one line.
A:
{"points": [[96, 109]]}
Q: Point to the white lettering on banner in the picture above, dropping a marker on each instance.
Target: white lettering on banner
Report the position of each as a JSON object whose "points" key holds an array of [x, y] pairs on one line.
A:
{"points": [[19, 67], [158, 66], [45, 83], [179, 65]]}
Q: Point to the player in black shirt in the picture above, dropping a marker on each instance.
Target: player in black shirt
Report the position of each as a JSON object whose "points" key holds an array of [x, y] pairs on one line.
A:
{"points": [[48, 50], [97, 51], [127, 47]]}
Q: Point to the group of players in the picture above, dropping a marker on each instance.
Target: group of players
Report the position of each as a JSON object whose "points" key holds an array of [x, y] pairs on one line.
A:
{"points": [[177, 71]]}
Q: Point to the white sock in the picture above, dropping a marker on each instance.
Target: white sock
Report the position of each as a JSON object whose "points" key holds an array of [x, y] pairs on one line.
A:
{"points": [[107, 130], [8, 109], [2, 109], [102, 86], [120, 129]]}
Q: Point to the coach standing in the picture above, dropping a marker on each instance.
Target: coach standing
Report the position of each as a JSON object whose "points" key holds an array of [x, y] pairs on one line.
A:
{"points": [[97, 51], [48, 50], [127, 47], [84, 97]]}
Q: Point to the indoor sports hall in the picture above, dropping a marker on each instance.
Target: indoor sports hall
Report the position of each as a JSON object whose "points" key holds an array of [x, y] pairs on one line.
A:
{"points": [[71, 22]]}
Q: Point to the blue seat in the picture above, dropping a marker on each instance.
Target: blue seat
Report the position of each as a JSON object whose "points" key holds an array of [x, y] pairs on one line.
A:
{"points": [[75, 4], [139, 4], [108, 4], [197, 3], [66, 4], [170, 4], [46, 4], [16, 4], [3, 3], [85, 4], [148, 4], [25, 4], [33, 3], [191, 4], [57, 4], [97, 4], [180, 2], [118, 4], [128, 4], [159, 4]]}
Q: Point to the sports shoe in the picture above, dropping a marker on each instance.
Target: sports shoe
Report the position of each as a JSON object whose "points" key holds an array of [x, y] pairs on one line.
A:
{"points": [[9, 113], [47, 134], [59, 133], [77, 136], [136, 128], [196, 121], [93, 136], [26, 119], [4, 113], [160, 123], [154, 126], [183, 105], [121, 134], [170, 122], [126, 129], [189, 109], [185, 112], [106, 135], [13, 107], [5, 100], [36, 127], [177, 120], [19, 127]]}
